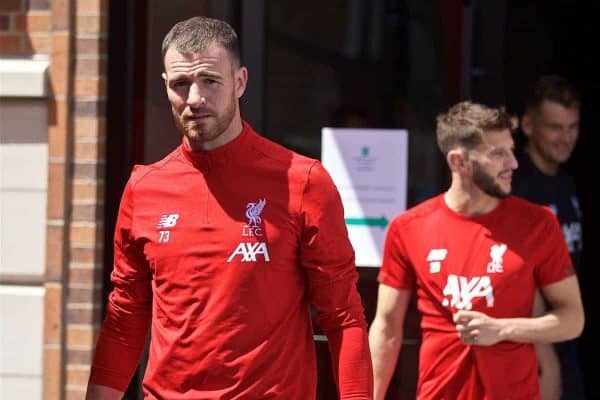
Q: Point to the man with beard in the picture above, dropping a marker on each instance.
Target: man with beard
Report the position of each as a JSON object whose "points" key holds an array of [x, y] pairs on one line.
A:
{"points": [[551, 126], [221, 248], [474, 257]]}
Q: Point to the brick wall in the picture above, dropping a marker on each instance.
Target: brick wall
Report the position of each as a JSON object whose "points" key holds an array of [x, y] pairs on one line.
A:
{"points": [[72, 35], [25, 27], [83, 305]]}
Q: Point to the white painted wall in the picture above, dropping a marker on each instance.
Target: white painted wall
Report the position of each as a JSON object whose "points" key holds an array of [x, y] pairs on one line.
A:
{"points": [[23, 202], [23, 186], [21, 338]]}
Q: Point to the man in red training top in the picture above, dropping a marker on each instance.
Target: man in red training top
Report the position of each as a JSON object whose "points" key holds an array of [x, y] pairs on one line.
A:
{"points": [[474, 257], [221, 247]]}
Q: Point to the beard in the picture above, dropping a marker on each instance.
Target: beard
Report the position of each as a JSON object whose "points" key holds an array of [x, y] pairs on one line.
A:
{"points": [[207, 129], [487, 183]]}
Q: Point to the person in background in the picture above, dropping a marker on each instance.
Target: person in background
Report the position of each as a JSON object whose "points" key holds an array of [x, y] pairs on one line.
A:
{"points": [[550, 125], [220, 249], [474, 256]]}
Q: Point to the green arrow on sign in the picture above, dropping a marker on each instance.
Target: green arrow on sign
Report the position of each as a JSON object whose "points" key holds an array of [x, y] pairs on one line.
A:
{"points": [[380, 222]]}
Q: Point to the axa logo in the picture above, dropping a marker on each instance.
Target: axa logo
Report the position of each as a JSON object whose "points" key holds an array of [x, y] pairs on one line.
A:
{"points": [[460, 291], [497, 258], [249, 252], [435, 258], [254, 225]]}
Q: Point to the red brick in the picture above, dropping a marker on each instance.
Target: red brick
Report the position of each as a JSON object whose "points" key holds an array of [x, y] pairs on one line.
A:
{"points": [[86, 275], [85, 295], [4, 23], [11, 5], [52, 379], [91, 46], [89, 170], [55, 261], [60, 70], [95, 67], [85, 234], [11, 44], [61, 14], [86, 191], [89, 150], [56, 190], [38, 44], [53, 314], [91, 24], [38, 4], [92, 6], [81, 336], [78, 377], [83, 315], [79, 356], [90, 127], [88, 212], [85, 255], [90, 87]]}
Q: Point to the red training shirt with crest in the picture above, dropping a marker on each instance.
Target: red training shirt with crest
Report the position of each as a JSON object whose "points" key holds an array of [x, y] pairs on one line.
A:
{"points": [[490, 263], [221, 253]]}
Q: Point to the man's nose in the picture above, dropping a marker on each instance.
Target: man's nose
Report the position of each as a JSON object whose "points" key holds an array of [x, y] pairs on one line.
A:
{"points": [[512, 160], [195, 96]]}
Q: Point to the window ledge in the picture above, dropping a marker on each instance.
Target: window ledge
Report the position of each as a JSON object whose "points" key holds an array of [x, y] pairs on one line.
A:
{"points": [[23, 77]]}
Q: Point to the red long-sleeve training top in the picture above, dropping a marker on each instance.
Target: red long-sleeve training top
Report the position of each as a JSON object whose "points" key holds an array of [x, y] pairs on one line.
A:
{"points": [[221, 253]]}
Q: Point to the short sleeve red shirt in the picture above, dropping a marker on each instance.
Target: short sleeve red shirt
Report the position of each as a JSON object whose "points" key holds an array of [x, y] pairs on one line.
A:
{"points": [[490, 263]]}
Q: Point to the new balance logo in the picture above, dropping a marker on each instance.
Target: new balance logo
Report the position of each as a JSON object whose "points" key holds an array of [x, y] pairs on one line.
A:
{"points": [[249, 251], [463, 290], [167, 221], [434, 259]]}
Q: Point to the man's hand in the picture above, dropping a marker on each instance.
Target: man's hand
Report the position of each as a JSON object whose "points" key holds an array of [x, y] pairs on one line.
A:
{"points": [[476, 328], [97, 392]]}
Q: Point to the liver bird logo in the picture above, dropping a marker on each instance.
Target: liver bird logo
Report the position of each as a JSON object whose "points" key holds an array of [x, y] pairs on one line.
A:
{"points": [[253, 211]]}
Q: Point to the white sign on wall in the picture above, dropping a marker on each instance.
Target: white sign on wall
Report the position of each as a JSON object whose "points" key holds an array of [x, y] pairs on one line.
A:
{"points": [[369, 168]]}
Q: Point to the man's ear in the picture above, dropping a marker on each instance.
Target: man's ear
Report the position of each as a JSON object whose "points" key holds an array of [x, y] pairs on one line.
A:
{"points": [[527, 124], [458, 160], [164, 76], [241, 80]]}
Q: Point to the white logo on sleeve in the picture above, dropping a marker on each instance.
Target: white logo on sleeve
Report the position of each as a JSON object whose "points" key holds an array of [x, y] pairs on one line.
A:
{"points": [[166, 221], [461, 291], [434, 258], [496, 253]]}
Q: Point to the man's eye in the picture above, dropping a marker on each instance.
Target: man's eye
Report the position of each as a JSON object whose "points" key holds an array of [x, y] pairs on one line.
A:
{"points": [[180, 84], [210, 81]]}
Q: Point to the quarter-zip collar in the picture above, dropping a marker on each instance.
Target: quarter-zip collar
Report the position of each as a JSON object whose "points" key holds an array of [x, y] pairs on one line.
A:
{"points": [[235, 151]]}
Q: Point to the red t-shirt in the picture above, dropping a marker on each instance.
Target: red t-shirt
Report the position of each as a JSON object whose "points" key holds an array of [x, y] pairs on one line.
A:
{"points": [[490, 263], [222, 252]]}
